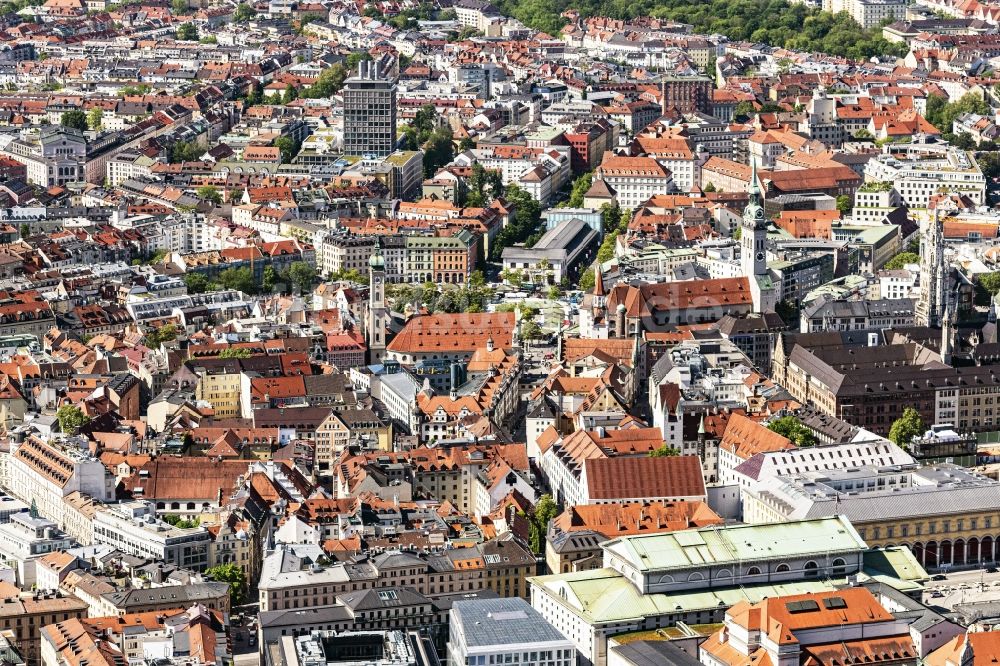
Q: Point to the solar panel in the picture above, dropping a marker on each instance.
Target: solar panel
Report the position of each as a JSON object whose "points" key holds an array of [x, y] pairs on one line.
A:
{"points": [[834, 602], [804, 606]]}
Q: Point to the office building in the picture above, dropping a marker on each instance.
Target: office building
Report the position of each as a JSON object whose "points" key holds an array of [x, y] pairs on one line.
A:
{"points": [[505, 631], [369, 113]]}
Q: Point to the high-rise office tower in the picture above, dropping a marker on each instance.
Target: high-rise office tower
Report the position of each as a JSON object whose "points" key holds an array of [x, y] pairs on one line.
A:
{"points": [[369, 113]]}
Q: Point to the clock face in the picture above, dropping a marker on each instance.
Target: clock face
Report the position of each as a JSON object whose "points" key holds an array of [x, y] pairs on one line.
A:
{"points": [[377, 280], [760, 256]]}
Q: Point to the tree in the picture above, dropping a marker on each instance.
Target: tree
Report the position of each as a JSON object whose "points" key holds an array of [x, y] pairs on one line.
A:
{"points": [[607, 250], [243, 13], [587, 280], [71, 418], [209, 193], [157, 336], [185, 151], [792, 428], [95, 118], [177, 521], [330, 81], [302, 275], [545, 510], [349, 275], [232, 574], [962, 140], [513, 276], [235, 352], [530, 330], [845, 203], [989, 163], [75, 119], [527, 215], [664, 452], [196, 283], [309, 17], [709, 188], [25, 229], [240, 279], [579, 189], [290, 94], [990, 282], [356, 57], [484, 186], [941, 113], [906, 427], [438, 151], [744, 109], [179, 6], [611, 216], [900, 260], [133, 91], [255, 94], [270, 278], [188, 32], [288, 146]]}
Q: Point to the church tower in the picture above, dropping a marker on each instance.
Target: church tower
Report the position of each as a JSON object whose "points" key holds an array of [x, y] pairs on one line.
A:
{"points": [[753, 251], [930, 306], [378, 313]]}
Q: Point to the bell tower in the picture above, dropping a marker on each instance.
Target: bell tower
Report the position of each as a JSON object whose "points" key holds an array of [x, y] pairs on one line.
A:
{"points": [[378, 313], [753, 249]]}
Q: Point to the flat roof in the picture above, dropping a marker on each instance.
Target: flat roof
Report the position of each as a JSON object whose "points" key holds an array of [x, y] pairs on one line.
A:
{"points": [[503, 622], [602, 596], [731, 544]]}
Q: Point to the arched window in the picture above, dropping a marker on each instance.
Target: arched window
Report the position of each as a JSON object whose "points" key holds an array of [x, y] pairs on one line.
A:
{"points": [[839, 566], [812, 570], [753, 571], [782, 568]]}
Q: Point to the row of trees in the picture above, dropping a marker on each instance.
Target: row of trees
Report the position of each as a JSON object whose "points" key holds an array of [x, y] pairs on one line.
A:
{"points": [[902, 432], [473, 296], [77, 119], [900, 260], [524, 228], [436, 140], [775, 22], [792, 428], [615, 223], [300, 275], [941, 113]]}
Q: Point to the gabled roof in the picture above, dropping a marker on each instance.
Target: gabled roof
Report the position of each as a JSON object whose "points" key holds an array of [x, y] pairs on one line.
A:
{"points": [[653, 477], [745, 437]]}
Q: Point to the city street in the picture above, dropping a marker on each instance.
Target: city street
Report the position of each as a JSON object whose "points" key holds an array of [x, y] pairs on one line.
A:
{"points": [[244, 654], [976, 585]]}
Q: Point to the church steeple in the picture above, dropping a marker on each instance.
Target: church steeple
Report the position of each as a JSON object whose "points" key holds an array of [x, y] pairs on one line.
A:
{"points": [[930, 309], [753, 250], [753, 230], [378, 313]]}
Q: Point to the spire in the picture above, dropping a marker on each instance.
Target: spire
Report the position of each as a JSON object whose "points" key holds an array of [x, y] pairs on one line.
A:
{"points": [[377, 262], [754, 189], [598, 282]]}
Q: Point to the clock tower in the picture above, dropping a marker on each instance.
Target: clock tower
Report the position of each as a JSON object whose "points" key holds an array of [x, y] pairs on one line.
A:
{"points": [[378, 313], [753, 250]]}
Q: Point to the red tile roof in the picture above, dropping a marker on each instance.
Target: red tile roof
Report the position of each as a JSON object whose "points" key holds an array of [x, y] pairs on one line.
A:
{"points": [[626, 477]]}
